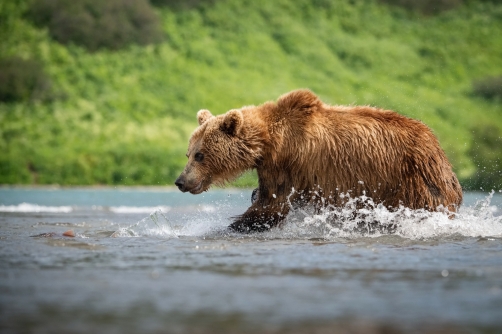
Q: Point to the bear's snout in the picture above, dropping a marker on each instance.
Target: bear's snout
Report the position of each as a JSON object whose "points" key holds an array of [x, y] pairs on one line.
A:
{"points": [[180, 183], [186, 183]]}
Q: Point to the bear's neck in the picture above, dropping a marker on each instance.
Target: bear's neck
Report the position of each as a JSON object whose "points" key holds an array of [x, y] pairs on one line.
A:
{"points": [[265, 134]]}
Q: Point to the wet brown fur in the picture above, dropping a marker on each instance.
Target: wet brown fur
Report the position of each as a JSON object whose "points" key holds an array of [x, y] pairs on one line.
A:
{"points": [[319, 151]]}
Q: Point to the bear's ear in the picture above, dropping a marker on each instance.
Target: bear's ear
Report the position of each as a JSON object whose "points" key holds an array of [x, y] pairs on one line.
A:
{"points": [[232, 123], [302, 100], [203, 115]]}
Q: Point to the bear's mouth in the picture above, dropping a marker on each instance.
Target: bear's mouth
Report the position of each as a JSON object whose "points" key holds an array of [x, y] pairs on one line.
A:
{"points": [[198, 188]]}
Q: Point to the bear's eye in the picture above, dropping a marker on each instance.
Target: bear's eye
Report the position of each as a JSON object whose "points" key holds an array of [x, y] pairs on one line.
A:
{"points": [[199, 157]]}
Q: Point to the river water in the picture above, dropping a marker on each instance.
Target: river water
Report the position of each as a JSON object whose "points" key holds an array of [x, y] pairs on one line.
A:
{"points": [[154, 260]]}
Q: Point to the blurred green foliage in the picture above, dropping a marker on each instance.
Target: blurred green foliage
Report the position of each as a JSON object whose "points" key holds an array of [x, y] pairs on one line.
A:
{"points": [[486, 153], [127, 114], [22, 80], [428, 7], [177, 4], [97, 24], [489, 88]]}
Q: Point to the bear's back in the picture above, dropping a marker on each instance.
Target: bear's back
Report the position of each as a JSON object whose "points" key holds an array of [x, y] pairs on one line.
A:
{"points": [[368, 150]]}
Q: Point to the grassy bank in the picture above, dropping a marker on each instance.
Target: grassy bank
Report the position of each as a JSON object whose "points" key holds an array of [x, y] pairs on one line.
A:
{"points": [[124, 117]]}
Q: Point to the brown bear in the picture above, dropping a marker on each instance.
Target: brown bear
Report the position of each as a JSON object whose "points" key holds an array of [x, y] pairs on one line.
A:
{"points": [[309, 153]]}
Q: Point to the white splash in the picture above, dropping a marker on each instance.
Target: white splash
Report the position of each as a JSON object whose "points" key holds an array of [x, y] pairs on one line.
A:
{"points": [[156, 224], [206, 221], [376, 220], [349, 221]]}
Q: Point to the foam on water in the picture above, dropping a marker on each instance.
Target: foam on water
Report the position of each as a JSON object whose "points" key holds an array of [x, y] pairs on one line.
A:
{"points": [[349, 221], [139, 209], [27, 207], [157, 224], [376, 220]]}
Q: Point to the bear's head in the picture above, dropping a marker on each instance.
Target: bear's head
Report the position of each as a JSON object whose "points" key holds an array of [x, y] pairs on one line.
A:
{"points": [[220, 149]]}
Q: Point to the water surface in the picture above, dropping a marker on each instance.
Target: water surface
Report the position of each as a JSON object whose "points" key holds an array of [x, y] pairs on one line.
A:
{"points": [[156, 260]]}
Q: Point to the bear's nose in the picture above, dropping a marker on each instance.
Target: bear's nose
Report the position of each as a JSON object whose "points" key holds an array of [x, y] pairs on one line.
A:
{"points": [[180, 183]]}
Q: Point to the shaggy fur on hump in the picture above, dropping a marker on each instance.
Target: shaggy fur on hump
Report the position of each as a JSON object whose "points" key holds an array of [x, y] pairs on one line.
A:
{"points": [[299, 143]]}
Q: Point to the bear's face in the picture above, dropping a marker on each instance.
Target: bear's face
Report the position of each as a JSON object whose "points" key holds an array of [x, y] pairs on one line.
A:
{"points": [[219, 150]]}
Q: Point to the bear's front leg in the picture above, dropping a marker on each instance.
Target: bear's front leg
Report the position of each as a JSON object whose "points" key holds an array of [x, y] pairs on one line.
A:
{"points": [[259, 218]]}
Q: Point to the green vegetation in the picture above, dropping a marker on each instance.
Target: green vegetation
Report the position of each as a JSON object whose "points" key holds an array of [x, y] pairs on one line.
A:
{"points": [[22, 80], [96, 24], [487, 146], [427, 7], [124, 115], [490, 88]]}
